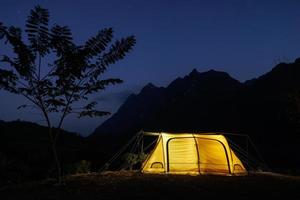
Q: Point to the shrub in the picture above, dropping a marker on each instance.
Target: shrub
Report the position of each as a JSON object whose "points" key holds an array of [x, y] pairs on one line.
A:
{"points": [[80, 167]]}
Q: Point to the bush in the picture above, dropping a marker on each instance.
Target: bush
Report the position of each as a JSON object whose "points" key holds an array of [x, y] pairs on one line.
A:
{"points": [[80, 167], [132, 159]]}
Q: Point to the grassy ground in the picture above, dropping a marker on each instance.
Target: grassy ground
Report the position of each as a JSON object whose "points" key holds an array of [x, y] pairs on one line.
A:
{"points": [[126, 185]]}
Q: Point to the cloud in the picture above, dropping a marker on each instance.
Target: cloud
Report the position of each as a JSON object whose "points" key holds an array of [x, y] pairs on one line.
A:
{"points": [[119, 96]]}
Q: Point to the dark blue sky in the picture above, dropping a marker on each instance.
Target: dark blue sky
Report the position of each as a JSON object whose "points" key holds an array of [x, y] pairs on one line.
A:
{"points": [[245, 38]]}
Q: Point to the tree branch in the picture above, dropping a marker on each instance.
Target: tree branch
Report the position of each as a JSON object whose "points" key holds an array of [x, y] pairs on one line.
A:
{"points": [[40, 61]]}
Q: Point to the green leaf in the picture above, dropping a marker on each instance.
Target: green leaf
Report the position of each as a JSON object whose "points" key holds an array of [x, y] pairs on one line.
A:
{"points": [[55, 102], [98, 43], [37, 29], [22, 106], [24, 62], [8, 80], [90, 106], [2, 30], [61, 39], [117, 51]]}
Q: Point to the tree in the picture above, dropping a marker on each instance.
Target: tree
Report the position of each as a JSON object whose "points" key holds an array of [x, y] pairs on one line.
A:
{"points": [[73, 72]]}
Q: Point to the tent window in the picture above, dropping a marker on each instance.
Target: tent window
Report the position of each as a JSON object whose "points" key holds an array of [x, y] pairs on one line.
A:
{"points": [[157, 165]]}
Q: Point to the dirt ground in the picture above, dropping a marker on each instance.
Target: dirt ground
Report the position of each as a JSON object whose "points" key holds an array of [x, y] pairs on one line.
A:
{"points": [[134, 185]]}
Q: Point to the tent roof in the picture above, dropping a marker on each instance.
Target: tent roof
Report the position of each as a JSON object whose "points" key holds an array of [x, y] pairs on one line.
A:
{"points": [[180, 134]]}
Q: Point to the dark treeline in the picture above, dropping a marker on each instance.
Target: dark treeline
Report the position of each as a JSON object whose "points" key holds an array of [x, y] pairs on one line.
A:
{"points": [[25, 152]]}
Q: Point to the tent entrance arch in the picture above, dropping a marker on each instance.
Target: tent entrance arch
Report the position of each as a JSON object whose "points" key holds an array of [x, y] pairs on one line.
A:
{"points": [[197, 154], [182, 155]]}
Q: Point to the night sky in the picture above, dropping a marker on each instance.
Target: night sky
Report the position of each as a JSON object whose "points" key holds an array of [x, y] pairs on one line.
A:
{"points": [[245, 38]]}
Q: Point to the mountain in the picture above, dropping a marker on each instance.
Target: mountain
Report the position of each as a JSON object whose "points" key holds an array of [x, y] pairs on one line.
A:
{"points": [[263, 108], [135, 110], [162, 108]]}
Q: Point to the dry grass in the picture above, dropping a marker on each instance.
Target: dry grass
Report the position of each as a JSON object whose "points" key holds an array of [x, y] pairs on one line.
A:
{"points": [[133, 185]]}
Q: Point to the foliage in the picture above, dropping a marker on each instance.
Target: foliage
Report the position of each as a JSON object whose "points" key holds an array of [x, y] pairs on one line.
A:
{"points": [[53, 72], [71, 77], [132, 159], [26, 153], [13, 171], [82, 166]]}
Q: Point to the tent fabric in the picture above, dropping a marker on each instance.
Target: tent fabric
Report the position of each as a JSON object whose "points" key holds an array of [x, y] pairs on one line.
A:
{"points": [[187, 153]]}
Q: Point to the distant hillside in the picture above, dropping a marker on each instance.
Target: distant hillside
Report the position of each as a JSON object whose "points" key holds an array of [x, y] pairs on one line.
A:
{"points": [[214, 101], [29, 132], [25, 152]]}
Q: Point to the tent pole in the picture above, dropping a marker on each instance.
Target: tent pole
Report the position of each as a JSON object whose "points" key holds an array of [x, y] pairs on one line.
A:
{"points": [[198, 156], [247, 146], [142, 143], [258, 153]]}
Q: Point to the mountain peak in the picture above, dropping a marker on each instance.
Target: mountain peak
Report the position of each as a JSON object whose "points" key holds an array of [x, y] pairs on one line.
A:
{"points": [[214, 72], [148, 87], [194, 72], [207, 74]]}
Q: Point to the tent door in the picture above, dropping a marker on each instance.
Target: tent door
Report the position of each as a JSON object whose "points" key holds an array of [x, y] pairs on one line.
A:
{"points": [[213, 156], [182, 155]]}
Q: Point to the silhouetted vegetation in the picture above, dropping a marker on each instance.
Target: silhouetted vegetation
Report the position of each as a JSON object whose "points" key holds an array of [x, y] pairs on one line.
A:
{"points": [[132, 159], [26, 152], [53, 73], [80, 167]]}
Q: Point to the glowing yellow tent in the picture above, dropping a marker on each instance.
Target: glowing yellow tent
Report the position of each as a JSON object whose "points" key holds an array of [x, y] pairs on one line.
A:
{"points": [[187, 153]]}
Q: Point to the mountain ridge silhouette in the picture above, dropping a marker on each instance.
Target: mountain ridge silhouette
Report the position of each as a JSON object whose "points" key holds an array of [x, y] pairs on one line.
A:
{"points": [[214, 101]]}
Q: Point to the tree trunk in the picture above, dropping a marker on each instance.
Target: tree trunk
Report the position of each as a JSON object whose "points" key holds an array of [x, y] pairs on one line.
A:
{"points": [[56, 159]]}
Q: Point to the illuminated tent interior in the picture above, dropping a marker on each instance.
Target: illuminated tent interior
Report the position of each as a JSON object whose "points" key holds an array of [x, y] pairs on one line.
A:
{"points": [[188, 153]]}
